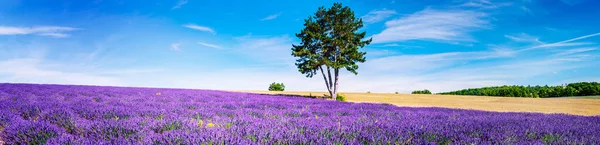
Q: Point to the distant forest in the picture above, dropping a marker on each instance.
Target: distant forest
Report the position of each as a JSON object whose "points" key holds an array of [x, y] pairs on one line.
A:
{"points": [[573, 89]]}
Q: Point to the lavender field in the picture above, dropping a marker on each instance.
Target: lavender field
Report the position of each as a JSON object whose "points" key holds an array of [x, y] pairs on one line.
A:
{"points": [[57, 114]]}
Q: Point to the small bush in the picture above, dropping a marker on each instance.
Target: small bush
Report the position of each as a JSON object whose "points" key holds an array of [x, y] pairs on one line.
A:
{"points": [[421, 92], [396, 93], [340, 97], [276, 87], [368, 92]]}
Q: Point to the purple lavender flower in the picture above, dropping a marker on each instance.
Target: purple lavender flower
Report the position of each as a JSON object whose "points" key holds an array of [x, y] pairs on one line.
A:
{"points": [[62, 114]]}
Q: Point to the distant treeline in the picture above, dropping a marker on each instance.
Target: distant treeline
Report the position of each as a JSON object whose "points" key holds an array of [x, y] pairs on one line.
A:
{"points": [[421, 92], [573, 89]]}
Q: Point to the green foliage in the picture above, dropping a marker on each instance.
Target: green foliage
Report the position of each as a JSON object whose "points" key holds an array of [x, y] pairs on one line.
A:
{"points": [[368, 92], [395, 92], [573, 89], [167, 126], [330, 41], [340, 98], [330, 38], [420, 92], [276, 87]]}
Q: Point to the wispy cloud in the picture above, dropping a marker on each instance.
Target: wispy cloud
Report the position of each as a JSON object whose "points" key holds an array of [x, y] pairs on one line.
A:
{"points": [[175, 46], [209, 45], [391, 45], [271, 17], [200, 28], [179, 4], [429, 24], [33, 70], [378, 15], [576, 50], [52, 31], [522, 37], [402, 46], [57, 35], [268, 49], [565, 42], [498, 65], [484, 4]]}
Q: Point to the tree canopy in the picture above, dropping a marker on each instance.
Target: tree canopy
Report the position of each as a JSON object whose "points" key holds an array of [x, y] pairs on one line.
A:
{"points": [[330, 41], [276, 87], [421, 92]]}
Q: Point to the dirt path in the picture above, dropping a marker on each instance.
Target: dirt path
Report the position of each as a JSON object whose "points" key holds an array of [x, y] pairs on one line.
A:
{"points": [[586, 107]]}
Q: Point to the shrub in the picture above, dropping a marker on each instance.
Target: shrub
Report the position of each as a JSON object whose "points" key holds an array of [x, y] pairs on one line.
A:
{"points": [[276, 87], [340, 97], [368, 92], [396, 93], [421, 92]]}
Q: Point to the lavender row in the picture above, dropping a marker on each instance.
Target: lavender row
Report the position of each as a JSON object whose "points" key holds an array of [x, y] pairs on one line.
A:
{"points": [[59, 114]]}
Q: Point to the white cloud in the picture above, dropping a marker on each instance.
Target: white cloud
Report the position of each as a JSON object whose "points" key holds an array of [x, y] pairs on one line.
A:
{"points": [[199, 28], [391, 45], [271, 17], [57, 35], [179, 4], [209, 45], [175, 46], [452, 25], [448, 71], [500, 65], [378, 15], [522, 37], [576, 50], [32, 70], [52, 31], [565, 43], [425, 62], [272, 49], [484, 4]]}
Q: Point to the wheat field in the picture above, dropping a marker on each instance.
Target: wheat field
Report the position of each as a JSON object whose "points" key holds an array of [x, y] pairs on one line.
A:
{"points": [[586, 107]]}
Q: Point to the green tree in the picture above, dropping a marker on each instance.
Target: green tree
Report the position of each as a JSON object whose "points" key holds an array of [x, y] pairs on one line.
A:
{"points": [[330, 41], [276, 87], [421, 92]]}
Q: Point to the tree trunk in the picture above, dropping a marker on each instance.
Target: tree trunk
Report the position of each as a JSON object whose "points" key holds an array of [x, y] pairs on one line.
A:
{"points": [[329, 74], [325, 78], [335, 87]]}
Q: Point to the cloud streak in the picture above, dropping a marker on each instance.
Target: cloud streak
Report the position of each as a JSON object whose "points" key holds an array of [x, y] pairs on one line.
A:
{"points": [[429, 24], [271, 17], [200, 28], [51, 31], [565, 42], [179, 4], [524, 38], [484, 4], [209, 45], [175, 46], [378, 15]]}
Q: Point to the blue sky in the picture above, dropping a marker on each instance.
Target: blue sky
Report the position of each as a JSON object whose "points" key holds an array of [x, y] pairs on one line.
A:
{"points": [[245, 45]]}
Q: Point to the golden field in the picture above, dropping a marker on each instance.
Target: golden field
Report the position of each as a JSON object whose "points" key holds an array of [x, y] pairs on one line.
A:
{"points": [[586, 107]]}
